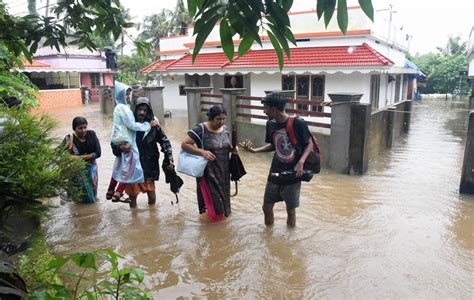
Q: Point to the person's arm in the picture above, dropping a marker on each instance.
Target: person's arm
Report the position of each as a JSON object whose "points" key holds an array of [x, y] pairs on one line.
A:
{"points": [[128, 120], [189, 145], [248, 145], [98, 151], [299, 166]]}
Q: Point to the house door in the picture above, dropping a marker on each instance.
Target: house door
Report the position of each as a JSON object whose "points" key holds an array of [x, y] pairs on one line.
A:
{"points": [[317, 92], [302, 90]]}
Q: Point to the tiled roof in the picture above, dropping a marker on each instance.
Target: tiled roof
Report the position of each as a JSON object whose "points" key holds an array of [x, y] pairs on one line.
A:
{"points": [[335, 56], [203, 61], [35, 64], [157, 66]]}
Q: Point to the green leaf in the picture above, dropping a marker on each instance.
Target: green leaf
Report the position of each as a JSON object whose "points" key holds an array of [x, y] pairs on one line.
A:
{"points": [[84, 260], [281, 39], [368, 8], [203, 34], [139, 274], [277, 48], [245, 45], [320, 7], [57, 263], [342, 15], [329, 11], [226, 39], [287, 4]]}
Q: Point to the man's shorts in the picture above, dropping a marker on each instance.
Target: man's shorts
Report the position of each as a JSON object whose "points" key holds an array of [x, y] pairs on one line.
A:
{"points": [[134, 189], [289, 193]]}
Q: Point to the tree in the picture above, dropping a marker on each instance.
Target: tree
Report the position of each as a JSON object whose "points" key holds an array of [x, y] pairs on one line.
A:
{"points": [[129, 68], [155, 27], [443, 68], [247, 18]]}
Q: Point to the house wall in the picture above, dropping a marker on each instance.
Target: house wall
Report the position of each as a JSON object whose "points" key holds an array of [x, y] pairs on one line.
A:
{"points": [[171, 98], [348, 83], [383, 128], [85, 80], [259, 83], [108, 79], [53, 99]]}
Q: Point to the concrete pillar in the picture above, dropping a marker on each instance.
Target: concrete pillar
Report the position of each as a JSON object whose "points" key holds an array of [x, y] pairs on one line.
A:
{"points": [[407, 108], [390, 127], [229, 102], [339, 140], [155, 95], [106, 99], [193, 95], [359, 138], [467, 176]]}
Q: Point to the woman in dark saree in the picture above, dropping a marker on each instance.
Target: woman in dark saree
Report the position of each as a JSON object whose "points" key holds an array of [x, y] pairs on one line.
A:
{"points": [[213, 189], [84, 144]]}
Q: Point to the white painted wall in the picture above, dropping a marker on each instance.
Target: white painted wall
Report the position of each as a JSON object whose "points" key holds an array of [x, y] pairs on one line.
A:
{"points": [[259, 83], [348, 83], [172, 99]]}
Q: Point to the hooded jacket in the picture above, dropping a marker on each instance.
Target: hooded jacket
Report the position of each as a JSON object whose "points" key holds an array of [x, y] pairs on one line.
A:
{"points": [[147, 144]]}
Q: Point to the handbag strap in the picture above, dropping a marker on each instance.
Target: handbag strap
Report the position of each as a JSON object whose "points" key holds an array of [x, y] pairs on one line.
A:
{"points": [[201, 140]]}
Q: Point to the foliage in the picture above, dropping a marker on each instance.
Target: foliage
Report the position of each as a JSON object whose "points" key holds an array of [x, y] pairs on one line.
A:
{"points": [[163, 24], [83, 18], [246, 18], [129, 69], [34, 262], [32, 165], [443, 68], [94, 275]]}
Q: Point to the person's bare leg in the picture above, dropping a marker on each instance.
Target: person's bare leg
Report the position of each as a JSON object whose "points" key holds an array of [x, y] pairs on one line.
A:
{"points": [[291, 221], [133, 201], [268, 213], [151, 198]]}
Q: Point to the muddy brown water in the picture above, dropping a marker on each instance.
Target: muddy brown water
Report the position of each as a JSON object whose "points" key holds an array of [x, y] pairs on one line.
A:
{"points": [[400, 231]]}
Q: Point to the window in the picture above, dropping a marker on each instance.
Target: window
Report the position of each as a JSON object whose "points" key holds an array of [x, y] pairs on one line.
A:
{"points": [[233, 81], [375, 90], [182, 91], [95, 80], [317, 92]]}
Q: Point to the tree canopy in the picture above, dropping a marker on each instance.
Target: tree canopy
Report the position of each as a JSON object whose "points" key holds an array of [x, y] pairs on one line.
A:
{"points": [[443, 68]]}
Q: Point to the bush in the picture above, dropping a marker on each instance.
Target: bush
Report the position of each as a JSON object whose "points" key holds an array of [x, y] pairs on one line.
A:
{"points": [[32, 165]]}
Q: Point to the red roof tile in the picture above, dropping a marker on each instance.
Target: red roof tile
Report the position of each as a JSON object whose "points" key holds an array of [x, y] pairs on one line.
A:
{"points": [[35, 64], [157, 66], [203, 61], [337, 56]]}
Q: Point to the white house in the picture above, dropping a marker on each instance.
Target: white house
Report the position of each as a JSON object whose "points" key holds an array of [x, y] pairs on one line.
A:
{"points": [[369, 59]]}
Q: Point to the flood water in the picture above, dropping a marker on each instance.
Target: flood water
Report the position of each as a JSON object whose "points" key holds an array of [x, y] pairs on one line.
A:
{"points": [[400, 231]]}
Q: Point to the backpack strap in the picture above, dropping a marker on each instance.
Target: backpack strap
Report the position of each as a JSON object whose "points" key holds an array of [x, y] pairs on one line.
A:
{"points": [[290, 130]]}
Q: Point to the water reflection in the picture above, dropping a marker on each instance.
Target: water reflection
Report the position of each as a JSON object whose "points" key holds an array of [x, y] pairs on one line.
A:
{"points": [[400, 231]]}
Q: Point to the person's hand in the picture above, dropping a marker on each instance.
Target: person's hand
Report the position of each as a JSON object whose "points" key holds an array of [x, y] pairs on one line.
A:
{"points": [[299, 168], [170, 166], [235, 150], [208, 155], [154, 123], [247, 145], [125, 148]]}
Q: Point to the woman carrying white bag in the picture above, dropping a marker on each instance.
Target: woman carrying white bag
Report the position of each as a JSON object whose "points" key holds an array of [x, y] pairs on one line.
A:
{"points": [[210, 140]]}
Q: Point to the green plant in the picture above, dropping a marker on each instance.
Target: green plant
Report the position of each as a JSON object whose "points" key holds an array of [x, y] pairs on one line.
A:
{"points": [[32, 164], [92, 275]]}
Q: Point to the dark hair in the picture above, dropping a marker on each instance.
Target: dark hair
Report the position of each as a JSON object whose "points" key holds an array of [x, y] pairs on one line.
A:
{"points": [[276, 100], [77, 121], [215, 111]]}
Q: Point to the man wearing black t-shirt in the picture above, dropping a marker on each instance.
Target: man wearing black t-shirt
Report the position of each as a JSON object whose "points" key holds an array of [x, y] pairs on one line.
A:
{"points": [[287, 158]]}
